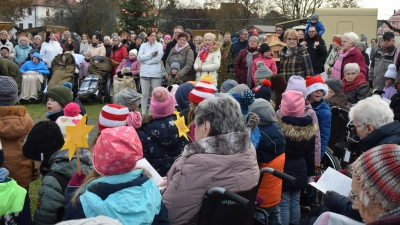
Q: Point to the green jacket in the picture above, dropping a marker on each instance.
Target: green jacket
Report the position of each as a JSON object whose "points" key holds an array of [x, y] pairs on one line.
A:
{"points": [[10, 69], [51, 201]]}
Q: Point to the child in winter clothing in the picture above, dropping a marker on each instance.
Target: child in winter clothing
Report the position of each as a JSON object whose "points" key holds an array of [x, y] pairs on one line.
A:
{"points": [[270, 153], [71, 117], [134, 197], [175, 67], [266, 57], [84, 66], [390, 77], [172, 89], [316, 91], [14, 204], [57, 98], [314, 21], [263, 85], [159, 136], [129, 98], [112, 115], [299, 132], [15, 123], [228, 85], [42, 145]]}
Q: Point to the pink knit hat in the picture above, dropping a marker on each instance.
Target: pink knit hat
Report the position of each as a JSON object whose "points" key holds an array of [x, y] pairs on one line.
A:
{"points": [[112, 115], [162, 103], [116, 151], [292, 103]]}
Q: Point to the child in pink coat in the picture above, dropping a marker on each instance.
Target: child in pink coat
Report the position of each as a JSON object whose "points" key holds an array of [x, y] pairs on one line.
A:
{"points": [[267, 58]]}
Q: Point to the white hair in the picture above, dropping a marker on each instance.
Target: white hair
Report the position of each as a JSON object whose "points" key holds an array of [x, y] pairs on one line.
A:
{"points": [[255, 38], [364, 198], [37, 37], [351, 66], [107, 38], [67, 32], [351, 37], [373, 110]]}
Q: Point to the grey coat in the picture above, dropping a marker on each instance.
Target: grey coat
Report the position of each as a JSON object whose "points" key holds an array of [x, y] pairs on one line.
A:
{"points": [[185, 59], [360, 93], [379, 66]]}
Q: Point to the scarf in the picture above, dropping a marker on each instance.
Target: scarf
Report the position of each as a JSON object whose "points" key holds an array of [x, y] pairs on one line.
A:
{"points": [[249, 63], [203, 54], [87, 60], [177, 49], [3, 42], [337, 68], [84, 41], [129, 61], [349, 86]]}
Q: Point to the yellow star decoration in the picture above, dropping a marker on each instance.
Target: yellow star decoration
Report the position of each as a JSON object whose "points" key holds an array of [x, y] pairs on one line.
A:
{"points": [[77, 137], [180, 124]]}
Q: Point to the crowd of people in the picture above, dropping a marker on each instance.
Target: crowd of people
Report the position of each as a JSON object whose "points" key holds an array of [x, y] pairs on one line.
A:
{"points": [[200, 131]]}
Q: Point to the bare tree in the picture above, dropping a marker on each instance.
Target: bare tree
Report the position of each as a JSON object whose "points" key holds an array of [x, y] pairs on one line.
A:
{"points": [[11, 10]]}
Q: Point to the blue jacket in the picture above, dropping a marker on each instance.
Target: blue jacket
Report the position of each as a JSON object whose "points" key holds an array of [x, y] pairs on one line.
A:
{"points": [[272, 143], [236, 47], [387, 134], [161, 143], [319, 26], [324, 116], [132, 198], [21, 52], [39, 67]]}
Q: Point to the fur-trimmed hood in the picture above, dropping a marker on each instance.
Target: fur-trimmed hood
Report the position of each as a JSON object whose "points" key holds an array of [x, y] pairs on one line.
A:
{"points": [[297, 129], [214, 48], [225, 144]]}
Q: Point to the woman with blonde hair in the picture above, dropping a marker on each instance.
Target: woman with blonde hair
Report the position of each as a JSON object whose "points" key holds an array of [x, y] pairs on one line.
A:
{"points": [[22, 50], [208, 60], [198, 40], [84, 44]]}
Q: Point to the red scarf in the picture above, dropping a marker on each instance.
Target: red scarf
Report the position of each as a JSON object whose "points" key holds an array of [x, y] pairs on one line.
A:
{"points": [[204, 53], [349, 86]]}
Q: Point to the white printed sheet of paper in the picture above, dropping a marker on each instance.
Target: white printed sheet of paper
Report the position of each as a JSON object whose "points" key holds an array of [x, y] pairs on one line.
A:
{"points": [[332, 180], [143, 163]]}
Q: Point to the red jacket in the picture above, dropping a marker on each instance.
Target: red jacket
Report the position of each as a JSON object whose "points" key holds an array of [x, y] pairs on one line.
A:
{"points": [[355, 56], [118, 55], [241, 68]]}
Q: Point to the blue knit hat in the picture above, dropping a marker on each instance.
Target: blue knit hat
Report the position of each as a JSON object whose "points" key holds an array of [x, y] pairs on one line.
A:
{"points": [[245, 99]]}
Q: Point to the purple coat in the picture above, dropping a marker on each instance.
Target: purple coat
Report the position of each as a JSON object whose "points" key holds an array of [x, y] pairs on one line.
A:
{"points": [[135, 67]]}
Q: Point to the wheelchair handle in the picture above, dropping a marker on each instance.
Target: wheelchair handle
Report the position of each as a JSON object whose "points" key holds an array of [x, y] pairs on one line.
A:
{"points": [[277, 173], [229, 194], [340, 109]]}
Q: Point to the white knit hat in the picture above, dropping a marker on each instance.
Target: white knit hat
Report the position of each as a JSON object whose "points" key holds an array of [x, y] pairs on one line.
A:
{"points": [[112, 115], [391, 72], [134, 51]]}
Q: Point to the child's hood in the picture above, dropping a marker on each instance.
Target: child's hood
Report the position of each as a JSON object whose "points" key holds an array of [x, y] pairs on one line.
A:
{"points": [[15, 122], [12, 197]]}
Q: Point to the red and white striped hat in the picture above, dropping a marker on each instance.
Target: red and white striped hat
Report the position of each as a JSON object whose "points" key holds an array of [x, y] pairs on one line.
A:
{"points": [[112, 115], [202, 90]]}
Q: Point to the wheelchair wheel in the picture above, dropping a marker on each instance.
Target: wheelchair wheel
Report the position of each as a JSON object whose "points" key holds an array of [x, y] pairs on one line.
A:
{"points": [[329, 160]]}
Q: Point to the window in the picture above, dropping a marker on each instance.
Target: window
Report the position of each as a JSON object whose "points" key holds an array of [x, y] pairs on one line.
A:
{"points": [[30, 11], [29, 25], [47, 12], [393, 23], [21, 25]]}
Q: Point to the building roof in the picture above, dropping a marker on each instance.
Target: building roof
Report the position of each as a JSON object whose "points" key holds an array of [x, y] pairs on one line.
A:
{"points": [[394, 18], [50, 2], [263, 28]]}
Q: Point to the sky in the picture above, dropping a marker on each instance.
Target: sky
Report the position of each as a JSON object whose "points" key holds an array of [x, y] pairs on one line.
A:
{"points": [[385, 7]]}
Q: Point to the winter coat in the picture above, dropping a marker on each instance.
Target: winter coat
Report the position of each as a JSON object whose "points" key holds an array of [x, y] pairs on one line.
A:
{"points": [[338, 99], [161, 143], [342, 205], [241, 66], [100, 69], [278, 86], [212, 63], [99, 50], [297, 63], [271, 153], [171, 45], [10, 47], [21, 52], [83, 68], [395, 106], [379, 66], [236, 47], [358, 94], [134, 199], [331, 218], [108, 50], [57, 170], [49, 51], [62, 71], [14, 204], [387, 134], [209, 163], [354, 56], [319, 26], [299, 134], [324, 116], [135, 67], [83, 47], [39, 67], [308, 111], [15, 124], [10, 69], [268, 61], [332, 57], [185, 60], [151, 66], [390, 220], [318, 54], [117, 56]]}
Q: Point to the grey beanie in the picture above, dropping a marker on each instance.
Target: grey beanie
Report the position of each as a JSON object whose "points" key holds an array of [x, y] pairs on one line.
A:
{"points": [[335, 85], [363, 37], [240, 88], [264, 111], [262, 71], [228, 85], [362, 43], [314, 17], [129, 98], [8, 91], [176, 64]]}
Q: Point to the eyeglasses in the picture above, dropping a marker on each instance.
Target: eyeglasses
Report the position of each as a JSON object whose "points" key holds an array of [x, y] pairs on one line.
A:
{"points": [[354, 129], [353, 196], [291, 39]]}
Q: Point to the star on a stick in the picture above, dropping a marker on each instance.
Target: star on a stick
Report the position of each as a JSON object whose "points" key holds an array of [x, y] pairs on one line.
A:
{"points": [[180, 124]]}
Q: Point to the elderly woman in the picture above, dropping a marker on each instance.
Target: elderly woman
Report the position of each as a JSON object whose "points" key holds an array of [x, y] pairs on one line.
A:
{"points": [[334, 54], [37, 43], [85, 43], [198, 40], [354, 84], [50, 49], [208, 60], [362, 46], [118, 53], [107, 45], [348, 54], [244, 62], [180, 61], [208, 162], [22, 50], [294, 58], [150, 54]]}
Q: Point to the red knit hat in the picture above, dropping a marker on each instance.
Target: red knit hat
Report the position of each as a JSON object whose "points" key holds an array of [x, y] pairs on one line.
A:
{"points": [[315, 83], [202, 90], [112, 115]]}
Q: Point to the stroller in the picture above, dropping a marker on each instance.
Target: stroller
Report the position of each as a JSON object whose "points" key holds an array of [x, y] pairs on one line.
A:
{"points": [[97, 81], [63, 67]]}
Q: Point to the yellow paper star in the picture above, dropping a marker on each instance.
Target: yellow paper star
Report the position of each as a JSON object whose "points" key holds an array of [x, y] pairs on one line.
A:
{"points": [[180, 124], [77, 137]]}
